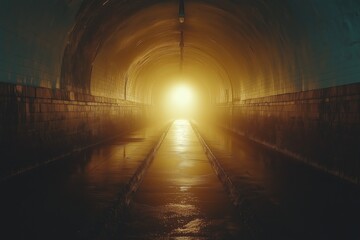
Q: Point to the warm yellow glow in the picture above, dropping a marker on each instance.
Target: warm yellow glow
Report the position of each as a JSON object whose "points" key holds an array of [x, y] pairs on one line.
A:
{"points": [[181, 96], [180, 100]]}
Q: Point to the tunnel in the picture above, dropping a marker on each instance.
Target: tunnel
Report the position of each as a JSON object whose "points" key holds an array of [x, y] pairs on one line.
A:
{"points": [[266, 93]]}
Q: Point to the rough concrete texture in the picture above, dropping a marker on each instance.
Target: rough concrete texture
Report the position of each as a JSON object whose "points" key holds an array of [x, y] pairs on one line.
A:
{"points": [[320, 127], [263, 56], [41, 123], [249, 48]]}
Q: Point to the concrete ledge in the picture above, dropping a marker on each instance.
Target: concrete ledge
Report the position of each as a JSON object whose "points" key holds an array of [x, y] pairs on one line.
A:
{"points": [[40, 124], [320, 127]]}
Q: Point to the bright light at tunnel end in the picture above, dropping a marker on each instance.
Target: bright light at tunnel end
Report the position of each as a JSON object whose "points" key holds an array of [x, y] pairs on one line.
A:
{"points": [[181, 96], [180, 101]]}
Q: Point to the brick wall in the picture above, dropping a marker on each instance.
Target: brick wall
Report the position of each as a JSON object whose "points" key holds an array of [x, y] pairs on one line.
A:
{"points": [[41, 124], [320, 127]]}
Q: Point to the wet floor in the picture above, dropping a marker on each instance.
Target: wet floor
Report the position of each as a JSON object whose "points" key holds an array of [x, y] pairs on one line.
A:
{"points": [[281, 197], [69, 198], [180, 196]]}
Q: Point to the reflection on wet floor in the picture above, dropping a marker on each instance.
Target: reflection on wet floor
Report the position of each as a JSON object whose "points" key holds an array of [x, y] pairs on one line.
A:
{"points": [[181, 197], [68, 198], [285, 199]]}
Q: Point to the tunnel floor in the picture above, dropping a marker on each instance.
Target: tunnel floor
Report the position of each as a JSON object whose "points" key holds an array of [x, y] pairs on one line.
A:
{"points": [[70, 198], [180, 196]]}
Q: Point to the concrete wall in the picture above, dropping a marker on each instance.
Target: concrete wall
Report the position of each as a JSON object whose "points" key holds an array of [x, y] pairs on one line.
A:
{"points": [[263, 48], [40, 124], [33, 36], [320, 127]]}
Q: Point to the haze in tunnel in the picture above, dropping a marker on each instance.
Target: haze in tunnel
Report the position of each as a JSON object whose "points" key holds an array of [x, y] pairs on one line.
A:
{"points": [[146, 50], [243, 50], [181, 97], [181, 100], [282, 74]]}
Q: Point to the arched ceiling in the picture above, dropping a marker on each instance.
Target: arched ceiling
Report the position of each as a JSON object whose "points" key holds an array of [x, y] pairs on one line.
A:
{"points": [[248, 48]]}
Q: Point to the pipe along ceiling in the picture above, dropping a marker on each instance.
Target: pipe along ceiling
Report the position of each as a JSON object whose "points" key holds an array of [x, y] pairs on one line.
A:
{"points": [[231, 50], [137, 46]]}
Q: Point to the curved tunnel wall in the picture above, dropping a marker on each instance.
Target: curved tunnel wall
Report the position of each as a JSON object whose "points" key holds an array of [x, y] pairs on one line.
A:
{"points": [[267, 48], [33, 35], [280, 61]]}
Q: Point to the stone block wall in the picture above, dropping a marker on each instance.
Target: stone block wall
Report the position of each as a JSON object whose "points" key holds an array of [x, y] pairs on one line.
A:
{"points": [[41, 124], [320, 127]]}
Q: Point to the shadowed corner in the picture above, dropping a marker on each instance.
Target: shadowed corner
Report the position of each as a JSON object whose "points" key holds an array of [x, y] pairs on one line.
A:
{"points": [[89, 90]]}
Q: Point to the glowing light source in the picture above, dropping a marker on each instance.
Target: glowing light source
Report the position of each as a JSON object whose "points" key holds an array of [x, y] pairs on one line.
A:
{"points": [[180, 101], [181, 96]]}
